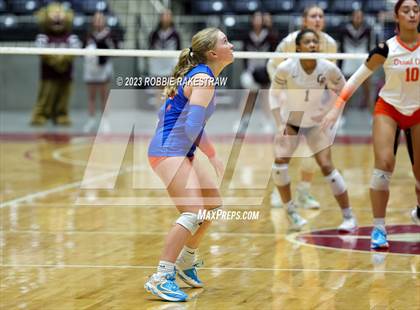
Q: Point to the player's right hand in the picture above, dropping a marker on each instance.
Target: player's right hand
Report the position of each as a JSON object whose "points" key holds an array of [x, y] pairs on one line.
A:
{"points": [[330, 119]]}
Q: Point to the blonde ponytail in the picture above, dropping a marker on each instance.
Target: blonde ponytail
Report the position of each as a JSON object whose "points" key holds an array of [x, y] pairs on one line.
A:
{"points": [[185, 64]]}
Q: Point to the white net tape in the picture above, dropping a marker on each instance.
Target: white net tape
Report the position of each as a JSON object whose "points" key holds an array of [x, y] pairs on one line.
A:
{"points": [[165, 54]]}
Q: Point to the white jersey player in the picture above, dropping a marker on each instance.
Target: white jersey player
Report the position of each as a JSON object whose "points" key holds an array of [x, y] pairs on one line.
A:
{"points": [[402, 84], [308, 92], [398, 106], [312, 18], [287, 45], [306, 85]]}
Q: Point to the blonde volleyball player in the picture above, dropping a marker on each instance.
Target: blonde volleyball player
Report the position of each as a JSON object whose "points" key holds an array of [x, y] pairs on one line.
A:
{"points": [[302, 83], [398, 106], [313, 18], [179, 132]]}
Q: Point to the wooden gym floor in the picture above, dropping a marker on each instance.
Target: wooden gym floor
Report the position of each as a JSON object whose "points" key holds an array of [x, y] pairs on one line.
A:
{"points": [[68, 247]]}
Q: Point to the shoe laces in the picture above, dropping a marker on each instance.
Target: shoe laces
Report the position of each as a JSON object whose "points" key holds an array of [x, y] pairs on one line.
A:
{"points": [[170, 277], [379, 233]]}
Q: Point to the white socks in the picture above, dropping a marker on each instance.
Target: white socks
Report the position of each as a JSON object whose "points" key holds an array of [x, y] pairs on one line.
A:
{"points": [[291, 207], [379, 223], [347, 213], [165, 267], [185, 260], [187, 257]]}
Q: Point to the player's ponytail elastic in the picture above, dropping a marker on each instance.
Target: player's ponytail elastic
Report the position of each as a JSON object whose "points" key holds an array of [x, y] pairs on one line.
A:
{"points": [[202, 42]]}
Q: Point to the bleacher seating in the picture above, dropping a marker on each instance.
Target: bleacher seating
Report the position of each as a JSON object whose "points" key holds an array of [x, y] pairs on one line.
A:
{"points": [[302, 4], [345, 6], [3, 6], [89, 7], [275, 6], [17, 21], [23, 7], [210, 7], [238, 32], [12, 10], [245, 6], [283, 6], [374, 6]]}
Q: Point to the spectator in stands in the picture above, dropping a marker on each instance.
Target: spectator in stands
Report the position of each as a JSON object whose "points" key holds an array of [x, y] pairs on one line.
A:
{"points": [[356, 38], [56, 70], [258, 40], [98, 70], [273, 35], [255, 75], [164, 37]]}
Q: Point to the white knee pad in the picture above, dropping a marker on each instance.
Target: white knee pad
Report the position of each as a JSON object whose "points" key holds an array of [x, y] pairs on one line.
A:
{"points": [[336, 181], [280, 174], [380, 180], [189, 221]]}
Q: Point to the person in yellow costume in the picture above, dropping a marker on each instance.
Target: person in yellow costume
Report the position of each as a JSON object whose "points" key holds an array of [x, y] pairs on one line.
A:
{"points": [[56, 70]]}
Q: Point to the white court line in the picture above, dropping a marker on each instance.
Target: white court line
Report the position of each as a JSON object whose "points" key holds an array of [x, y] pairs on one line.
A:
{"points": [[39, 194], [58, 156], [289, 237], [61, 188], [235, 207], [163, 233], [64, 187], [163, 201], [292, 239], [158, 233], [212, 268]]}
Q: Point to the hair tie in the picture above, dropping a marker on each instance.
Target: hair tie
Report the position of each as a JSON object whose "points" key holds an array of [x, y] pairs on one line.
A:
{"points": [[191, 51]]}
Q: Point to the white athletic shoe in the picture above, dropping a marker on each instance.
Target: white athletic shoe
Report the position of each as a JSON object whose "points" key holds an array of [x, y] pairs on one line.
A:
{"points": [[165, 287], [414, 216], [189, 274], [305, 200], [348, 225], [296, 221], [90, 125], [275, 199]]}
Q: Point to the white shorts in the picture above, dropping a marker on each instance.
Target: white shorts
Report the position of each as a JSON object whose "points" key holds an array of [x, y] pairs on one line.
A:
{"points": [[95, 73]]}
